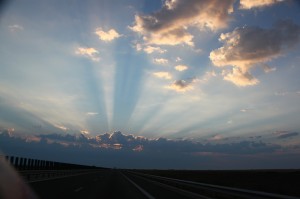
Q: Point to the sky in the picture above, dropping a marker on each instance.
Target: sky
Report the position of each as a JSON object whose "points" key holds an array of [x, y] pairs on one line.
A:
{"points": [[210, 71]]}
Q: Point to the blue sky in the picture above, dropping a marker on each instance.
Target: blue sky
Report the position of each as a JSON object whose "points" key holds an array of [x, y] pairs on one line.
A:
{"points": [[202, 70]]}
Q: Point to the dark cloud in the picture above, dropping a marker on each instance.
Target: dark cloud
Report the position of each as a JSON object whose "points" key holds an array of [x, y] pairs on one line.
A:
{"points": [[248, 46], [284, 135], [129, 142], [120, 150], [182, 85]]}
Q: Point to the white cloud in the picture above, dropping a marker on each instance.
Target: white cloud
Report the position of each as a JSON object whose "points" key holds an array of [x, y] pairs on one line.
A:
{"points": [[181, 67], [248, 4], [15, 28], [92, 113], [244, 110], [172, 38], [138, 47], [178, 59], [169, 26], [161, 61], [268, 69], [61, 127], [208, 75], [107, 36], [163, 75], [247, 47], [229, 122], [85, 132], [152, 49], [90, 53], [240, 78]]}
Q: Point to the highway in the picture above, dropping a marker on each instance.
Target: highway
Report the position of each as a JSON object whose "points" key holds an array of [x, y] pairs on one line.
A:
{"points": [[96, 184], [113, 183]]}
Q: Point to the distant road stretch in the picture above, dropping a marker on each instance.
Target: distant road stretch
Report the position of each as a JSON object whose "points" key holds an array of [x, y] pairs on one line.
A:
{"points": [[113, 183]]}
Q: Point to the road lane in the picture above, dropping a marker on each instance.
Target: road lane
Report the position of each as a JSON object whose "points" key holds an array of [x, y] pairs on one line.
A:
{"points": [[161, 191], [148, 195], [103, 184]]}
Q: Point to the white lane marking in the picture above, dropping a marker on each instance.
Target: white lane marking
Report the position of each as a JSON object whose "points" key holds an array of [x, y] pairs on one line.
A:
{"points": [[79, 189], [139, 188]]}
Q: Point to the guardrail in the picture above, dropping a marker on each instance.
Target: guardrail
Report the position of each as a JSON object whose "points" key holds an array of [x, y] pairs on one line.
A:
{"points": [[34, 170], [21, 163]]}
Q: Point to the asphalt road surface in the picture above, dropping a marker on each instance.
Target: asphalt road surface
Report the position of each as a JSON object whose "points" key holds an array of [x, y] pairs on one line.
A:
{"points": [[113, 183], [100, 184], [109, 183]]}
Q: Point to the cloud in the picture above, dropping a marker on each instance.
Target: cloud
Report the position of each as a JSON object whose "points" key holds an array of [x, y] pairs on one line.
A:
{"points": [[229, 122], [90, 53], [216, 138], [61, 127], [244, 110], [169, 25], [152, 49], [182, 85], [92, 113], [285, 134], [138, 148], [248, 46], [15, 28], [85, 132], [129, 151], [107, 36], [149, 49], [130, 142], [163, 75], [138, 47], [286, 93], [240, 78], [208, 75], [268, 69], [178, 59], [281, 93], [161, 61], [249, 4], [181, 67]]}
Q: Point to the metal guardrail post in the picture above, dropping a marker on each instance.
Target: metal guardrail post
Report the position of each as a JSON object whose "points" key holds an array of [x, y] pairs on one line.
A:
{"points": [[36, 166], [12, 160], [20, 164], [29, 164], [16, 164], [7, 158]]}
